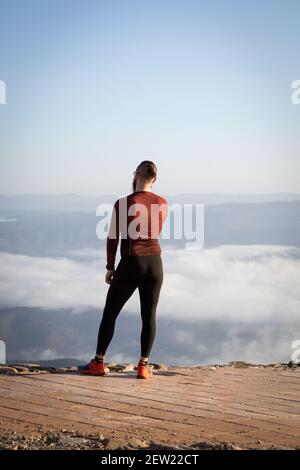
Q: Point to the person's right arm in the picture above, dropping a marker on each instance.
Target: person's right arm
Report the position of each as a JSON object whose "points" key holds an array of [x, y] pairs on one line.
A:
{"points": [[112, 242]]}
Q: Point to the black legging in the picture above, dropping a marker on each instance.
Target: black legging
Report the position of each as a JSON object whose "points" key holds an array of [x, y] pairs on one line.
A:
{"points": [[144, 272]]}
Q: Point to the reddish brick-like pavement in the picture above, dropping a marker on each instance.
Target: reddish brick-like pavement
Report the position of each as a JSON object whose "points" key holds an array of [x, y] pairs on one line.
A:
{"points": [[250, 407]]}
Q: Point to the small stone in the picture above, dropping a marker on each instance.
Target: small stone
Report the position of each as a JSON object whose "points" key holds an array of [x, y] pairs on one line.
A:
{"points": [[71, 370], [128, 367], [114, 443], [27, 365], [59, 370], [111, 365], [121, 368], [161, 367], [293, 364], [240, 364], [7, 370], [136, 443], [20, 369]]}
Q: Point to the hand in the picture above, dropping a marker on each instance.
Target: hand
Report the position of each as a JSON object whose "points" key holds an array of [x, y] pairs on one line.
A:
{"points": [[109, 275]]}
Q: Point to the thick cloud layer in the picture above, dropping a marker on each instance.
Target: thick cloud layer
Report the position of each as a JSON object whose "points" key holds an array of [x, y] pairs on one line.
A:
{"points": [[242, 283], [219, 304]]}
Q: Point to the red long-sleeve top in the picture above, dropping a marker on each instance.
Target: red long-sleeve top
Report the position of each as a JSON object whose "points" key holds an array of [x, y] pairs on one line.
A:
{"points": [[139, 218]]}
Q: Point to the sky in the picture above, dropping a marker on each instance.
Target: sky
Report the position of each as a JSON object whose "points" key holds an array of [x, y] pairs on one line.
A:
{"points": [[203, 88]]}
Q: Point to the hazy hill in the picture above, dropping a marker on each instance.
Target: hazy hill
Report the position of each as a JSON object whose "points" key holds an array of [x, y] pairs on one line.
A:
{"points": [[88, 203], [58, 233]]}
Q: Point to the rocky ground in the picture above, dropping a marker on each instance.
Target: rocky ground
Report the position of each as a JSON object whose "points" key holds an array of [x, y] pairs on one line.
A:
{"points": [[78, 441], [24, 368]]}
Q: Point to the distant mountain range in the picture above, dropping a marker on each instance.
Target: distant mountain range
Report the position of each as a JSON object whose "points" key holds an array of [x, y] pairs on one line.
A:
{"points": [[65, 233], [61, 362], [89, 203]]}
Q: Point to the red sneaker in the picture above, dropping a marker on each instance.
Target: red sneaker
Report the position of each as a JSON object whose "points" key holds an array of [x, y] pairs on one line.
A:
{"points": [[93, 368], [143, 371]]}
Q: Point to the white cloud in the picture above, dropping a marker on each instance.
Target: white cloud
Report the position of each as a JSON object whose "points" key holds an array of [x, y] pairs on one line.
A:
{"points": [[5, 219], [50, 282], [241, 283], [268, 343], [183, 337], [237, 283]]}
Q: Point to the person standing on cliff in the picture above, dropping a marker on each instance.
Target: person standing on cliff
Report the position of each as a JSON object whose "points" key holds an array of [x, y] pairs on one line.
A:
{"points": [[139, 217]]}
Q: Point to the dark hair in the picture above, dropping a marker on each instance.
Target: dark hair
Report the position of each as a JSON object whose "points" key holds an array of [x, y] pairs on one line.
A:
{"points": [[146, 169]]}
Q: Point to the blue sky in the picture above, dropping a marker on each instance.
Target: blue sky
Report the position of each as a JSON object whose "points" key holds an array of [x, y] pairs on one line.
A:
{"points": [[201, 87]]}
